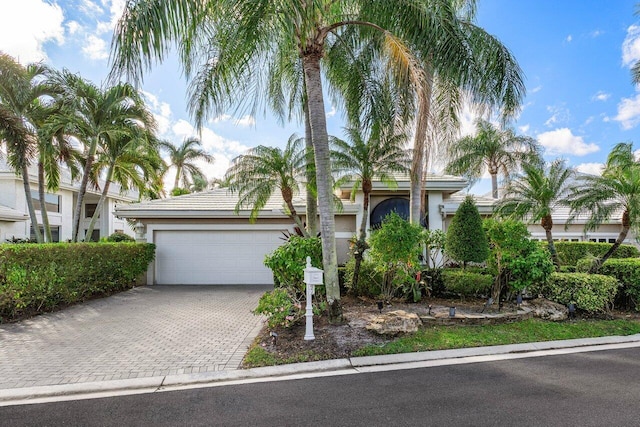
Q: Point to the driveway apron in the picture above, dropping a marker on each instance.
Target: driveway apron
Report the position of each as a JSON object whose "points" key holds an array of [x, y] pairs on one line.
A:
{"points": [[144, 332]]}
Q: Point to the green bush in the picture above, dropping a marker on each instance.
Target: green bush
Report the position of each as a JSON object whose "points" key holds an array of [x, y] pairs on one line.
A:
{"points": [[40, 277], [466, 240], [466, 283], [570, 252], [289, 261], [627, 272], [589, 292], [118, 237], [369, 281], [281, 308]]}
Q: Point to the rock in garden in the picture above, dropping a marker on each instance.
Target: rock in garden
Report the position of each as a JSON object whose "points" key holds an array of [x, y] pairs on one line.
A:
{"points": [[548, 310], [395, 322]]}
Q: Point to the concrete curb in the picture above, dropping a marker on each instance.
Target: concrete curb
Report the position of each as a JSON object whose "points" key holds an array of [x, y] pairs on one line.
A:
{"points": [[151, 384]]}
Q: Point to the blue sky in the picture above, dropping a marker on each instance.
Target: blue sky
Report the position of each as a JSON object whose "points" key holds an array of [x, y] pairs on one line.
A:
{"points": [[575, 54]]}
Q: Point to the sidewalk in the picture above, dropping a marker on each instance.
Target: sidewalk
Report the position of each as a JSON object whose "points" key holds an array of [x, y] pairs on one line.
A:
{"points": [[353, 365]]}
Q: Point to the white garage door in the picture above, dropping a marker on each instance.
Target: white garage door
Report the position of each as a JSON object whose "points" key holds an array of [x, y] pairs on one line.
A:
{"points": [[214, 257]]}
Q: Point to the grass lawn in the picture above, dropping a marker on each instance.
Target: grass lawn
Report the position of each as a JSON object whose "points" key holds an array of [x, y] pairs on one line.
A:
{"points": [[449, 337]]}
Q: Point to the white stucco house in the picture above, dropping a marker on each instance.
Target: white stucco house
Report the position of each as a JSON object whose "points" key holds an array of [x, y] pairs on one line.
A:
{"points": [[201, 240], [14, 216]]}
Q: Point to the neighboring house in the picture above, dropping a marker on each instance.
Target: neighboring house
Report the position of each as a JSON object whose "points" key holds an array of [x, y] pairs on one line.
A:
{"points": [[14, 216]]}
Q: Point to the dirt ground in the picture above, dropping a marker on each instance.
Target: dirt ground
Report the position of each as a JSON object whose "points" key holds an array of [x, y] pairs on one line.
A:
{"points": [[339, 341]]}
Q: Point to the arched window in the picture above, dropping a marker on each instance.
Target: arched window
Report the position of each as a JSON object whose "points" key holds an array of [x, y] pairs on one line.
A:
{"points": [[398, 205]]}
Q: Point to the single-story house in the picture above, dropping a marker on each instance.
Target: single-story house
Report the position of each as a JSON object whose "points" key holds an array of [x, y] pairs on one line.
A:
{"points": [[14, 215], [201, 240]]}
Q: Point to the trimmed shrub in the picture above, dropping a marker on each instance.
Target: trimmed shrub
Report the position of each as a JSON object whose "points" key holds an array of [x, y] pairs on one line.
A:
{"points": [[589, 292], [35, 278], [289, 261], [466, 240], [369, 281], [280, 307], [627, 272], [119, 237], [571, 252], [467, 284]]}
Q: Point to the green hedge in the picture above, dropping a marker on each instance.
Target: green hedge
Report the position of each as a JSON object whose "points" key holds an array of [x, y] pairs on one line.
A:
{"points": [[570, 252], [627, 272], [35, 278], [589, 292], [466, 283]]}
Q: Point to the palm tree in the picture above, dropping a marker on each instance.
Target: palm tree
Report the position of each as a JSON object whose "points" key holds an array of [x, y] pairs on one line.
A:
{"points": [[536, 194], [256, 175], [21, 89], [93, 116], [493, 149], [127, 160], [183, 158], [376, 156], [235, 39], [616, 190]]}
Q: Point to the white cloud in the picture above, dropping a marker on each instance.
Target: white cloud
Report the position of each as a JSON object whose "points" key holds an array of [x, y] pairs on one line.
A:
{"points": [[246, 121], [221, 118], [536, 89], [589, 120], [559, 114], [211, 141], [90, 8], [628, 112], [524, 129], [332, 112], [73, 27], [596, 33], [161, 111], [563, 141], [590, 168], [631, 46], [95, 48], [601, 96], [569, 38], [27, 25]]}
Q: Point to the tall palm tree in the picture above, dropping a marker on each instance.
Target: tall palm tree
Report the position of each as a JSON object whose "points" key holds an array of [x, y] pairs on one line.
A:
{"points": [[183, 157], [256, 175], [616, 190], [369, 156], [535, 194], [494, 149], [21, 90], [224, 45], [94, 115], [127, 159]]}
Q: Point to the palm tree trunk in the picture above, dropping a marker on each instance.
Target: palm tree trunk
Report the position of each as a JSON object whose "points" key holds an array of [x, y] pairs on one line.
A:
{"points": [[287, 195], [315, 97], [626, 226], [418, 161], [494, 185], [361, 244], [103, 197], [43, 204], [312, 200], [30, 208], [83, 189], [547, 224], [176, 182]]}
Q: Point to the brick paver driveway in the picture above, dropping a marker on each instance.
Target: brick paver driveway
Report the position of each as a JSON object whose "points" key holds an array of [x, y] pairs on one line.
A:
{"points": [[144, 332]]}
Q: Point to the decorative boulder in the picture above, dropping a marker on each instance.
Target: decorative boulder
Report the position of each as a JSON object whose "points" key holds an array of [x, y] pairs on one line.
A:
{"points": [[395, 322], [547, 310]]}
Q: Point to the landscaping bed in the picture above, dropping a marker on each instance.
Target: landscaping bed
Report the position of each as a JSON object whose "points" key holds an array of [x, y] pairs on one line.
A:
{"points": [[353, 339]]}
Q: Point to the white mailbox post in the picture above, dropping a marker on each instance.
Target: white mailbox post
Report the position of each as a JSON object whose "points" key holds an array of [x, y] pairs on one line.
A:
{"points": [[312, 277]]}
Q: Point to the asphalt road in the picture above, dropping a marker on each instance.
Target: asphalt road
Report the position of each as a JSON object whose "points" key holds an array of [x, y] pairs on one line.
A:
{"points": [[599, 388]]}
